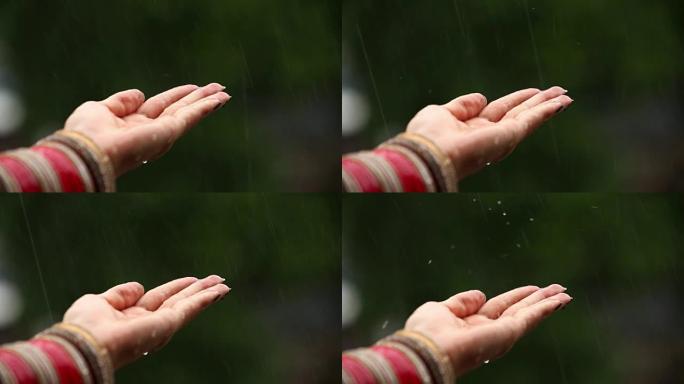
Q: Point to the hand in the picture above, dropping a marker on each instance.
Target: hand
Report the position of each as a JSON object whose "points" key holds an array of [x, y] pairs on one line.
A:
{"points": [[131, 130], [474, 134], [473, 331], [129, 322]]}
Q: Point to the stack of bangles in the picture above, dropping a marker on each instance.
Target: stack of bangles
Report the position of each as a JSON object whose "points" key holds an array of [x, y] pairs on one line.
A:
{"points": [[62, 354], [67, 161], [407, 163], [406, 357]]}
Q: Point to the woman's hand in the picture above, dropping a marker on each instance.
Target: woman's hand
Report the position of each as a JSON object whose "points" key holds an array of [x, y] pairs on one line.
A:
{"points": [[473, 331], [129, 322], [474, 134], [131, 130]]}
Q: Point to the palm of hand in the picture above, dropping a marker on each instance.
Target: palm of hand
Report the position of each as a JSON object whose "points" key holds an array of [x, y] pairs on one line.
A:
{"points": [[473, 331], [474, 134], [131, 130], [129, 323]]}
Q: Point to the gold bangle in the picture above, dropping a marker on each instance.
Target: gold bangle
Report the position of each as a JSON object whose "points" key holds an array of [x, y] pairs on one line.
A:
{"points": [[439, 163], [6, 375], [438, 362], [98, 162], [381, 170], [40, 168], [76, 356], [423, 169], [35, 358], [415, 359], [375, 363], [349, 184], [97, 356], [7, 181], [80, 165]]}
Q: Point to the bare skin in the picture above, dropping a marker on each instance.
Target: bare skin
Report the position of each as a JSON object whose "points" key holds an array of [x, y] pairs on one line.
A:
{"points": [[473, 330], [131, 130], [129, 322], [474, 133]]}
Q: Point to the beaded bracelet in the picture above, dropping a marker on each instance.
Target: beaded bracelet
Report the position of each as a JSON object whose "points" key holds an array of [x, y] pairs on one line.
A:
{"points": [[98, 162], [440, 164]]}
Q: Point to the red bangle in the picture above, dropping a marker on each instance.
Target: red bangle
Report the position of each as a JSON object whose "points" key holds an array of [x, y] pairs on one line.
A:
{"points": [[405, 170], [20, 369], [64, 167], [357, 371], [22, 174], [403, 367], [64, 365], [364, 177]]}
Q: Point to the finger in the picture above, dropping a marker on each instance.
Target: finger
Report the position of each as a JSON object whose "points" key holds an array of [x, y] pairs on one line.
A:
{"points": [[465, 303], [154, 298], [154, 106], [191, 115], [539, 98], [192, 289], [124, 295], [193, 97], [534, 298], [534, 117], [466, 107], [190, 307], [531, 316], [124, 103], [498, 108], [497, 305]]}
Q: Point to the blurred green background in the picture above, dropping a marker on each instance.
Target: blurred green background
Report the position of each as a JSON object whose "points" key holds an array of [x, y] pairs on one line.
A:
{"points": [[622, 62], [279, 60], [620, 257], [280, 254]]}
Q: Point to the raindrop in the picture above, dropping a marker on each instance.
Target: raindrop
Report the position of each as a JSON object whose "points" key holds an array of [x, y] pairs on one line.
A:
{"points": [[486, 361], [429, 261], [488, 164], [474, 200], [504, 214], [145, 353], [384, 325], [145, 161], [531, 219], [499, 202], [508, 223], [517, 245]]}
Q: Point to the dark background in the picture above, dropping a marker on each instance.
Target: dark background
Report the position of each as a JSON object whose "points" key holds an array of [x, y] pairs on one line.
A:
{"points": [[281, 256], [279, 60], [622, 62], [619, 256]]}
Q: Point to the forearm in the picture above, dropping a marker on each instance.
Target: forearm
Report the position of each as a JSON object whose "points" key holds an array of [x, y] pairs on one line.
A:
{"points": [[407, 163], [61, 354], [63, 162], [402, 358]]}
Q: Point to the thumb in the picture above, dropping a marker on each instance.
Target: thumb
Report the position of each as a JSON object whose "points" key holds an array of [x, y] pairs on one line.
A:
{"points": [[124, 103], [465, 303], [124, 295], [467, 107]]}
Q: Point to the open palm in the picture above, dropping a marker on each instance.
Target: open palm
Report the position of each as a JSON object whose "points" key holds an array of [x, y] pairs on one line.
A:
{"points": [[474, 133], [129, 322], [131, 130], [472, 330]]}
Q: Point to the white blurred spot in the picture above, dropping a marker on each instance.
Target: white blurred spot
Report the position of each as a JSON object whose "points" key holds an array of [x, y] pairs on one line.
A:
{"points": [[10, 304], [11, 112], [351, 304], [355, 111]]}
